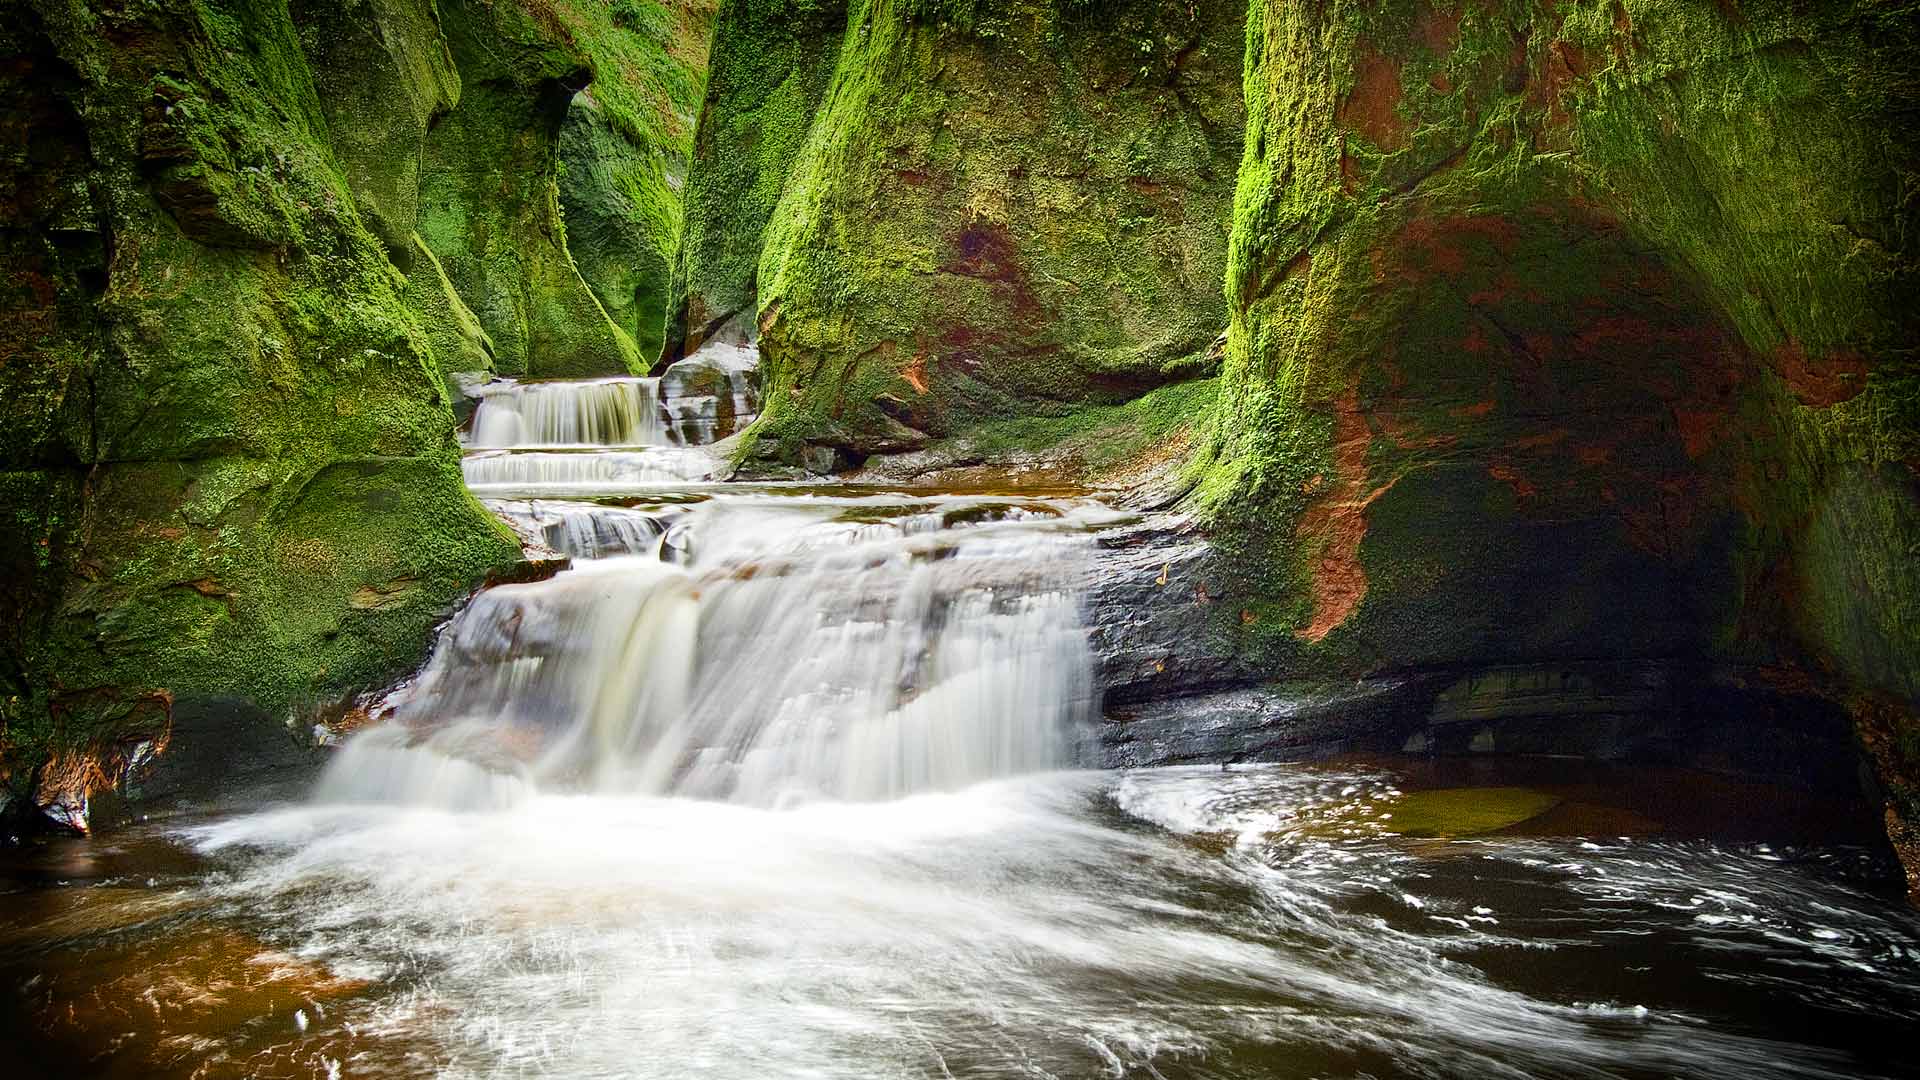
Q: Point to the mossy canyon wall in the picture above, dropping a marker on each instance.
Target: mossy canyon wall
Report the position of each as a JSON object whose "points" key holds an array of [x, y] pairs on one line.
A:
{"points": [[1582, 334], [1569, 350], [1506, 344], [247, 244]]}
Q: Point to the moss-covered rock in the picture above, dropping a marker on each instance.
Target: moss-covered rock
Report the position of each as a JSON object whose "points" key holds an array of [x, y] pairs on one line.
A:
{"points": [[383, 76], [770, 64], [247, 243], [571, 116], [235, 479], [1015, 209], [489, 201], [1575, 330], [624, 151]]}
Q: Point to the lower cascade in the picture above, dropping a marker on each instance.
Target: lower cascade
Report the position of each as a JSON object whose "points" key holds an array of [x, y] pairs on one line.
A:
{"points": [[753, 645], [759, 648]]}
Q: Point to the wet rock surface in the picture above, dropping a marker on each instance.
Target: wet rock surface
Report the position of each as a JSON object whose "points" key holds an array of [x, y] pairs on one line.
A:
{"points": [[1176, 690]]}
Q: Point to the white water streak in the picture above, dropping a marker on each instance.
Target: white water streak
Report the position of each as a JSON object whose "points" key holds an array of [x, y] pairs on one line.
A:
{"points": [[599, 412]]}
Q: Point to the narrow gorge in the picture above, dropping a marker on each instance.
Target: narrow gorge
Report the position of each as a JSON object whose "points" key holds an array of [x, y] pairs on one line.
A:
{"points": [[855, 538]]}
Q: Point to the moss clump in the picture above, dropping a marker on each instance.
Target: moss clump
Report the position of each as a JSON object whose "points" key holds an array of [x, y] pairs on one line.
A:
{"points": [[1106, 438]]}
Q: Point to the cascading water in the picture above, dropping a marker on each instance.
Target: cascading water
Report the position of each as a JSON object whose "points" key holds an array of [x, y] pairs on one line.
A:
{"points": [[759, 647], [771, 783], [601, 413], [849, 647], [605, 436]]}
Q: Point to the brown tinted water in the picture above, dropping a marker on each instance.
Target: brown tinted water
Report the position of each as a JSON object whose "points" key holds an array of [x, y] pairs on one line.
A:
{"points": [[1194, 922]]}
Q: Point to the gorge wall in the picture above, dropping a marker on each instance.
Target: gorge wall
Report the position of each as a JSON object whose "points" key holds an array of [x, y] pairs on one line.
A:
{"points": [[942, 215], [246, 243], [1539, 364], [1567, 335], [1568, 370]]}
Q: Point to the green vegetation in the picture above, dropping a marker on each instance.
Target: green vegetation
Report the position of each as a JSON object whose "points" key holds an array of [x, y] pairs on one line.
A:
{"points": [[943, 250], [247, 241]]}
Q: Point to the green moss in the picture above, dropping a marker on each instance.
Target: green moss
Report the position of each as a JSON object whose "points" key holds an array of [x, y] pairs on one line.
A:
{"points": [[246, 433], [459, 343], [946, 253], [489, 209], [625, 150], [620, 233], [1104, 437], [491, 199], [383, 75], [1474, 248]]}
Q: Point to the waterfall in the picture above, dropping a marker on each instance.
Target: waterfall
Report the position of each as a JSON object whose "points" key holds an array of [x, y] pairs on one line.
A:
{"points": [[608, 471], [788, 654], [728, 643], [601, 412]]}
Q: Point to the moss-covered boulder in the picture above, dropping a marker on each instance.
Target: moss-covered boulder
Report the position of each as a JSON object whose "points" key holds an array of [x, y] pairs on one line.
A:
{"points": [[229, 479], [623, 154], [1576, 330], [768, 68], [984, 211]]}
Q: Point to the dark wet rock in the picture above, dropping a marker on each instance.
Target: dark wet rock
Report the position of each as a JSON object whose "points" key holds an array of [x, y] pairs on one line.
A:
{"points": [[1734, 721], [220, 748], [1150, 605], [711, 395], [1179, 689], [533, 568], [1265, 723]]}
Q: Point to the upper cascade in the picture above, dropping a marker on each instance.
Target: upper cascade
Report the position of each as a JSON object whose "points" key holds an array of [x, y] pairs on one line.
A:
{"points": [[754, 645], [700, 400], [602, 412]]}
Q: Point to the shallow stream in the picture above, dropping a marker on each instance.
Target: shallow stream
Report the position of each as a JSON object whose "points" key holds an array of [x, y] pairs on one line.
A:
{"points": [[787, 782]]}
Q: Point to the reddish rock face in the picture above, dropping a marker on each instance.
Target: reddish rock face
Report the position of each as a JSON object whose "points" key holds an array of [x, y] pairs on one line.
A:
{"points": [[1544, 350], [1536, 382]]}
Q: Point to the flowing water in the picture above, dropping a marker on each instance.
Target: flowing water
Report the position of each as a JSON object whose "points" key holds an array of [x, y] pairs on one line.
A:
{"points": [[790, 782]]}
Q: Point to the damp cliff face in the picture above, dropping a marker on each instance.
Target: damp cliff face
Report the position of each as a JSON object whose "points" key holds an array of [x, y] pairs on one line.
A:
{"points": [[245, 243], [1576, 332], [549, 192], [769, 65], [1567, 366], [1012, 210]]}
